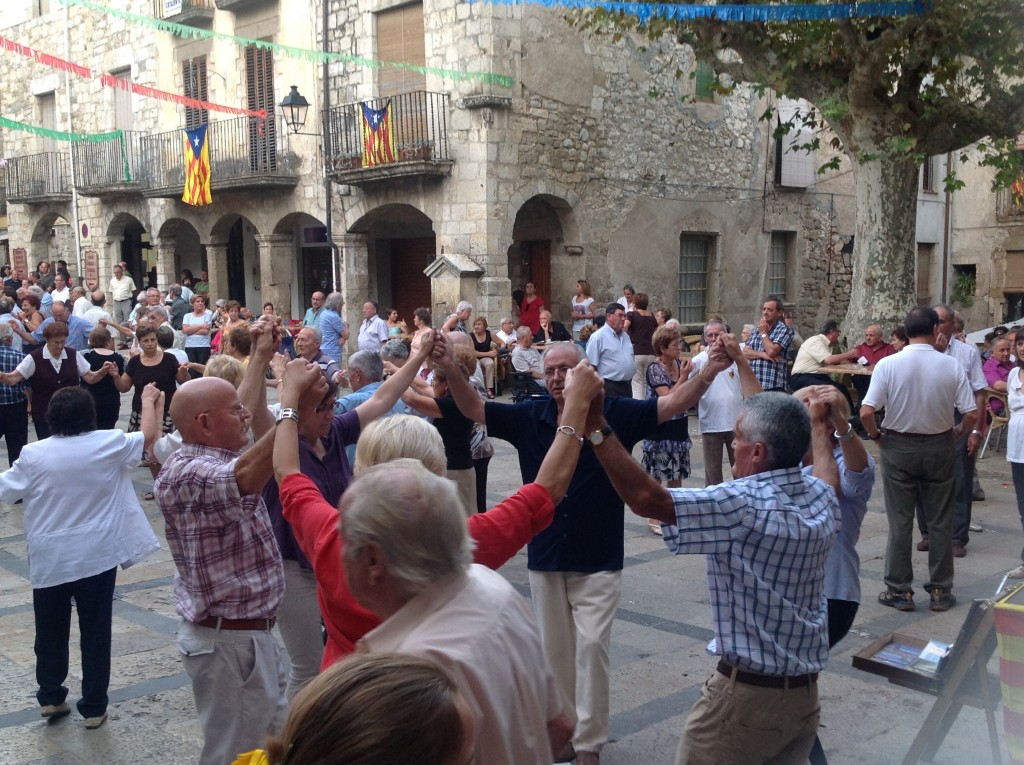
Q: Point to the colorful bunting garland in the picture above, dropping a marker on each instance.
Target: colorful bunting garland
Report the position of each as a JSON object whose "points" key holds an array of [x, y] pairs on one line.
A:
{"points": [[60, 135], [739, 13], [290, 51], [109, 81]]}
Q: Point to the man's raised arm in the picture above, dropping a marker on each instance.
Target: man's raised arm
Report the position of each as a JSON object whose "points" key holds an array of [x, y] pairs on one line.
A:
{"points": [[466, 398], [392, 389]]}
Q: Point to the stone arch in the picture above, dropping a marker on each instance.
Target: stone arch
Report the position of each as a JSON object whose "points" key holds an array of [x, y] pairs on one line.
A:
{"points": [[233, 260], [392, 246], [52, 239], [130, 241], [186, 250], [544, 238], [310, 262]]}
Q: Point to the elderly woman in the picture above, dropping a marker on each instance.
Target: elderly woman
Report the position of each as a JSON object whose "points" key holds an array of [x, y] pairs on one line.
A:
{"points": [[332, 327], [77, 538], [51, 368], [485, 350], [30, 313], [666, 455], [196, 326], [104, 393], [457, 321]]}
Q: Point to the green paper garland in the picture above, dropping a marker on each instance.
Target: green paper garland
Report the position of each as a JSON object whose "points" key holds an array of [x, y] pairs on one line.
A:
{"points": [[61, 135], [315, 56]]}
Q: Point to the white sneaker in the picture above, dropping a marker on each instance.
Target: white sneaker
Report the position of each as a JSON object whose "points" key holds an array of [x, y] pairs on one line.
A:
{"points": [[976, 528]]}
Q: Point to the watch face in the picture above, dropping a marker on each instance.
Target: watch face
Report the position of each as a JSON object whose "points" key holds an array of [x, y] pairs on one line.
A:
{"points": [[597, 438]]}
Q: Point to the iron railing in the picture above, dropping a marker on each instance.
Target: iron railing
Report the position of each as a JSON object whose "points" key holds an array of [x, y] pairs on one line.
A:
{"points": [[108, 164], [419, 124], [166, 9], [37, 175], [240, 148]]}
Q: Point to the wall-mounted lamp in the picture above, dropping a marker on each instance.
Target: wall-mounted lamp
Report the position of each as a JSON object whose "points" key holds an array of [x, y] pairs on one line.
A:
{"points": [[294, 106]]}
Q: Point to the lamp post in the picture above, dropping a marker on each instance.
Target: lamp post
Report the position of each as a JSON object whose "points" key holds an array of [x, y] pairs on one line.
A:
{"points": [[294, 105]]}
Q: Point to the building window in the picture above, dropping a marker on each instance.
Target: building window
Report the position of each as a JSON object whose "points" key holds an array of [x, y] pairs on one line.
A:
{"points": [[259, 83], [400, 38], [124, 117], [704, 82], [693, 278], [779, 264], [48, 119], [928, 174], [193, 79]]}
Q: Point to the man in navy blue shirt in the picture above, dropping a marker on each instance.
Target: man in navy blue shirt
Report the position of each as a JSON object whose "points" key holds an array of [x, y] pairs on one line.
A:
{"points": [[576, 563]]}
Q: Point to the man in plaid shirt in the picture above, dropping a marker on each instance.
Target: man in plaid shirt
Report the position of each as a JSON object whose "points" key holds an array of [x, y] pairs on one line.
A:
{"points": [[768, 348], [13, 404]]}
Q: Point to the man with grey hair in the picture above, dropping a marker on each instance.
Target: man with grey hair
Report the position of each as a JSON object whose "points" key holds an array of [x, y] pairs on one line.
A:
{"points": [[333, 330], [406, 555], [394, 352], [457, 321], [766, 536], [177, 306], [13, 402], [373, 330], [526, 358], [307, 345], [122, 289], [79, 302], [365, 374]]}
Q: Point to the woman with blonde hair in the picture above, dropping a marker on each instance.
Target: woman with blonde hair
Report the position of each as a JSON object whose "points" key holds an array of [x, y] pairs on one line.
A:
{"points": [[582, 308], [365, 710]]}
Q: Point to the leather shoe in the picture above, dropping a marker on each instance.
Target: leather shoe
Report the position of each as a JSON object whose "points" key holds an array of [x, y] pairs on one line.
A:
{"points": [[566, 754], [55, 711], [922, 546], [92, 723], [959, 551]]}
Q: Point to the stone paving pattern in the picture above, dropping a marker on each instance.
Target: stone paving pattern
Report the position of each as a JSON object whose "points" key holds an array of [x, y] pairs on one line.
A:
{"points": [[658, 646]]}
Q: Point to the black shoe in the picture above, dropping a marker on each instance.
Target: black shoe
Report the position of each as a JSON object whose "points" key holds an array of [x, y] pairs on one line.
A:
{"points": [[942, 599], [901, 601]]}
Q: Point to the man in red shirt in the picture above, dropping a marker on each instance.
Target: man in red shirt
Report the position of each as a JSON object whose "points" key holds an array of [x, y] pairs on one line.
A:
{"points": [[872, 350]]}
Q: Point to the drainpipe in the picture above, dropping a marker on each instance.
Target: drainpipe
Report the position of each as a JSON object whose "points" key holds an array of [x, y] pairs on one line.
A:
{"points": [[325, 127], [946, 226]]}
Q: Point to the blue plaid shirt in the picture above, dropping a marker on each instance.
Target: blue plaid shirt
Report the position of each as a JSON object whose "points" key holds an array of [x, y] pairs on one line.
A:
{"points": [[771, 374], [9, 360], [766, 538]]}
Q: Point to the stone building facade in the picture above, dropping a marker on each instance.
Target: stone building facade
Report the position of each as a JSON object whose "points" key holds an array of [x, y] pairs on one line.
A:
{"points": [[607, 159]]}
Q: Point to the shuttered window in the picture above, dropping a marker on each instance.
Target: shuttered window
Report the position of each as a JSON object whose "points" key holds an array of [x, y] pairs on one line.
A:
{"points": [[400, 40], [193, 75], [259, 84]]}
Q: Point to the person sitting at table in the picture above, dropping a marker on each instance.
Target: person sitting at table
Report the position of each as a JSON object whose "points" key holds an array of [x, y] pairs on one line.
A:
{"points": [[526, 358], [550, 331], [816, 352]]}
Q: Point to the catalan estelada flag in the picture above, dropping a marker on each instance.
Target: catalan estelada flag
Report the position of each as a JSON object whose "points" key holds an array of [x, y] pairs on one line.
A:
{"points": [[197, 168], [378, 137]]}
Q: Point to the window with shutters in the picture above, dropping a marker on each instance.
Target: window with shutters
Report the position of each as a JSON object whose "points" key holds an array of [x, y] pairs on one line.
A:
{"points": [[780, 264], [704, 82], [47, 119], [124, 118], [193, 78], [259, 79], [400, 40]]}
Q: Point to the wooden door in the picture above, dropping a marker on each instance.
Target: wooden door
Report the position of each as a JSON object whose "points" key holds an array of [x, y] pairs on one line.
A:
{"points": [[410, 287]]}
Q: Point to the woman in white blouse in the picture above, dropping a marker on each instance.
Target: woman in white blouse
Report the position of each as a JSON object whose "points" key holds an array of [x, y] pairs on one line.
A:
{"points": [[77, 539], [1015, 437]]}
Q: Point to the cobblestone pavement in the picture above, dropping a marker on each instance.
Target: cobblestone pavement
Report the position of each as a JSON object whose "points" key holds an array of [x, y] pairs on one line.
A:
{"points": [[658, 642]]}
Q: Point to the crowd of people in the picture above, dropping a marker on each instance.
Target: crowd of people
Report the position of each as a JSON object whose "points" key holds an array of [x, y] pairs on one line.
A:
{"points": [[352, 515]]}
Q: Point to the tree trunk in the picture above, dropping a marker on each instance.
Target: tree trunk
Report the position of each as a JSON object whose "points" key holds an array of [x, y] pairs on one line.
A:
{"points": [[885, 248]]}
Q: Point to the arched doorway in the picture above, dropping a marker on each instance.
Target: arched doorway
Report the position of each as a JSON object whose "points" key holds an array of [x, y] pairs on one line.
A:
{"points": [[133, 248], [400, 245], [536, 234], [52, 239], [188, 250], [243, 260], [313, 258]]}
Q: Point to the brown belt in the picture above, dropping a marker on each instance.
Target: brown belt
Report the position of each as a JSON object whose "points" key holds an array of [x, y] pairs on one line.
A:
{"points": [[887, 431], [220, 623], [766, 681]]}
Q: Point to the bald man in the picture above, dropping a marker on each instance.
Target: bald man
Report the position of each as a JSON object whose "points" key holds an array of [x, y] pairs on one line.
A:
{"points": [[229, 577]]}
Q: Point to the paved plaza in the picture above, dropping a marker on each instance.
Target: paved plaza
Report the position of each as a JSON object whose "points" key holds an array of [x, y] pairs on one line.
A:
{"points": [[658, 646]]}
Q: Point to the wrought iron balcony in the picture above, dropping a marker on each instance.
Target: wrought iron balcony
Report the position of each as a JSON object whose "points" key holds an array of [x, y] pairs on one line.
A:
{"points": [[195, 13], [110, 168], [245, 153], [419, 127], [38, 178]]}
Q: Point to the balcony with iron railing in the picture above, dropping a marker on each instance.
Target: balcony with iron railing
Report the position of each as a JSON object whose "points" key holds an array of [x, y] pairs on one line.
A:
{"points": [[418, 125], [1009, 206], [38, 178], [110, 168], [246, 153], [194, 13]]}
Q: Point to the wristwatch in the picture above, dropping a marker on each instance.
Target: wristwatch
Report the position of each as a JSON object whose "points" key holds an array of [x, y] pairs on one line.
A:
{"points": [[764, 335], [598, 436], [847, 436], [287, 414]]}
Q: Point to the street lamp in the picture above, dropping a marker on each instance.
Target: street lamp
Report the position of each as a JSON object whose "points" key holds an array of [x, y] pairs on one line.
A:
{"points": [[295, 107]]}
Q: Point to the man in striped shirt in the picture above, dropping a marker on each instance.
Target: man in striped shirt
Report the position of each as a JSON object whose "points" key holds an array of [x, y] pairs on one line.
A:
{"points": [[766, 536]]}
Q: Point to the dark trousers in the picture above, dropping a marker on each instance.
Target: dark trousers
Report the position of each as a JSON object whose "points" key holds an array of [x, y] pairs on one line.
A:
{"points": [[42, 428], [1017, 471], [14, 428], [963, 492], [618, 388], [840, 619], [480, 466], [52, 605]]}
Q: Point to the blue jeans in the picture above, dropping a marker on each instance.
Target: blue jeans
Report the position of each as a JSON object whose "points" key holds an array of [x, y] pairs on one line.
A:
{"points": [[94, 597]]}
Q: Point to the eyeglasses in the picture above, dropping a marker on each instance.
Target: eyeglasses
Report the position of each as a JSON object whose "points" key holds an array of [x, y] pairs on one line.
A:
{"points": [[561, 371], [325, 405]]}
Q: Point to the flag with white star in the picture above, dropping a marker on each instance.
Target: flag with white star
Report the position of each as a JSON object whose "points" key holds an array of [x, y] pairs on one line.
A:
{"points": [[378, 136], [197, 168]]}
